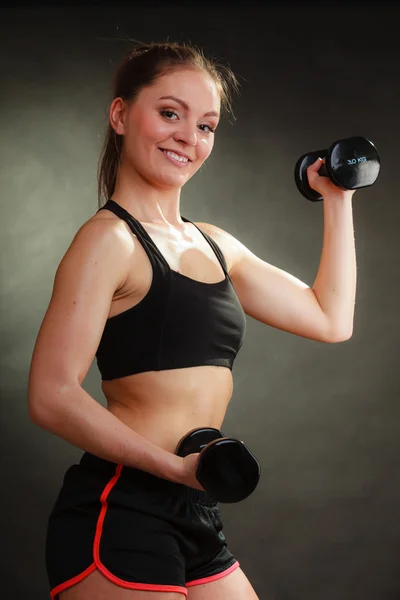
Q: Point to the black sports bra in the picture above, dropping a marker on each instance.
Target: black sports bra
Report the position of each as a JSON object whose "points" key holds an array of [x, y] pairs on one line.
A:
{"points": [[181, 322]]}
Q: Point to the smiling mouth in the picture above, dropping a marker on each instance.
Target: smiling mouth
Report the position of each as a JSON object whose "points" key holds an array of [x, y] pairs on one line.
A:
{"points": [[175, 156]]}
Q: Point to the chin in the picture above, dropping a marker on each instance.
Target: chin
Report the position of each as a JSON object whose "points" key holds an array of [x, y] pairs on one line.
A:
{"points": [[170, 182]]}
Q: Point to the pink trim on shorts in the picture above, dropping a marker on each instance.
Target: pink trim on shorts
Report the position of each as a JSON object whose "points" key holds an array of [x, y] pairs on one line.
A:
{"points": [[215, 577], [97, 564]]}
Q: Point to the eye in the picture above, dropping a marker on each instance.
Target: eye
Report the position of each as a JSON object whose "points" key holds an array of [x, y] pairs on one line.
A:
{"points": [[210, 129], [168, 114]]}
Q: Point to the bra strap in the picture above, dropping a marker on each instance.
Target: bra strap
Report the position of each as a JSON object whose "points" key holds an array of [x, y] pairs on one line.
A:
{"points": [[214, 246], [138, 229]]}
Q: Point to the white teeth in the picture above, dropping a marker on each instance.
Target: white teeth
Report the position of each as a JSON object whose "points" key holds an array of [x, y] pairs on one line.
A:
{"points": [[176, 156]]}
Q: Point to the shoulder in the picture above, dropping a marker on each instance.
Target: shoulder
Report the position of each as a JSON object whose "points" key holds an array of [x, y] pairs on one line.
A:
{"points": [[105, 230], [231, 247], [101, 240]]}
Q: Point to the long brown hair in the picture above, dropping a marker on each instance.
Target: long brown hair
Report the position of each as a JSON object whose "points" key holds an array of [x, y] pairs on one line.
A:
{"points": [[142, 67]]}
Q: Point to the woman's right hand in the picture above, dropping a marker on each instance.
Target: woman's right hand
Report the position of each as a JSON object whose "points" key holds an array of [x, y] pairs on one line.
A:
{"points": [[189, 467]]}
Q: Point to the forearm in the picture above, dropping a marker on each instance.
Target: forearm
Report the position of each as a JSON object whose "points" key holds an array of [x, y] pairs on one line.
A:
{"points": [[75, 416], [335, 283]]}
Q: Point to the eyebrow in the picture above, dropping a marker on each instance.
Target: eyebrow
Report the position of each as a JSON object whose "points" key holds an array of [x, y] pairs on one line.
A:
{"points": [[210, 113]]}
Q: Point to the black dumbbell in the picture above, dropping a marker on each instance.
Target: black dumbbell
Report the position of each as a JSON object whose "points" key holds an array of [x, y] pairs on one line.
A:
{"points": [[350, 164], [226, 469]]}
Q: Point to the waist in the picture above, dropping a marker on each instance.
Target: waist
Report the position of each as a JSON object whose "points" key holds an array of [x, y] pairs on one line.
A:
{"points": [[134, 483], [164, 406]]}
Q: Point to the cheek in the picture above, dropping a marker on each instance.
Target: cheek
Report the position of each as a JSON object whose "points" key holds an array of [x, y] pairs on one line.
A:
{"points": [[205, 147], [147, 129]]}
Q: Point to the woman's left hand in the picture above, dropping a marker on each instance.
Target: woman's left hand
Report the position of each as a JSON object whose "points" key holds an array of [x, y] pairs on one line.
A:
{"points": [[322, 184]]}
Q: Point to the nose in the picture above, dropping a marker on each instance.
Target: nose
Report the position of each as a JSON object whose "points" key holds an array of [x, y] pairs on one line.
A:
{"points": [[187, 134]]}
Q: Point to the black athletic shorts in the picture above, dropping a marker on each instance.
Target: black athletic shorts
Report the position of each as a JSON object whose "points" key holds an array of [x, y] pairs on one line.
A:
{"points": [[142, 532]]}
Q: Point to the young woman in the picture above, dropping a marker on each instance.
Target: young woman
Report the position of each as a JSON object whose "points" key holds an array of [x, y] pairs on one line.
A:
{"points": [[161, 302]]}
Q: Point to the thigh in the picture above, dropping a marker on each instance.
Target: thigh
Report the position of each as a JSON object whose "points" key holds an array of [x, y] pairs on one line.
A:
{"points": [[97, 587], [234, 586], [118, 522]]}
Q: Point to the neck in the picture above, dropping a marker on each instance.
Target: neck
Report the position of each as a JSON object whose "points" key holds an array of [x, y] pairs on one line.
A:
{"points": [[146, 202]]}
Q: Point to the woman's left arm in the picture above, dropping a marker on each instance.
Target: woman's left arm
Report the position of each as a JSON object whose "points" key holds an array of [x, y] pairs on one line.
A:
{"points": [[323, 312]]}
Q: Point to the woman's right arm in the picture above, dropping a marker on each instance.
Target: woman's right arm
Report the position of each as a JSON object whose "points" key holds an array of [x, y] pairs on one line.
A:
{"points": [[93, 268]]}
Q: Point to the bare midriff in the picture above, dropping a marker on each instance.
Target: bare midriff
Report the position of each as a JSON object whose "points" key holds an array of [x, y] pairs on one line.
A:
{"points": [[163, 406]]}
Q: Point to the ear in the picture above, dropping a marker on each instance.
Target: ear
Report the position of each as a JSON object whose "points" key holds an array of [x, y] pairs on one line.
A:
{"points": [[117, 116]]}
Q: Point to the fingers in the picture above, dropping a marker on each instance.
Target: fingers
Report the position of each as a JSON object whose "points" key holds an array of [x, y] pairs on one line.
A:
{"points": [[314, 167], [312, 172]]}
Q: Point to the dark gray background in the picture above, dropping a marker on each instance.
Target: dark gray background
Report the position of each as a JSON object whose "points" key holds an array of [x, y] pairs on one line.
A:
{"points": [[323, 419]]}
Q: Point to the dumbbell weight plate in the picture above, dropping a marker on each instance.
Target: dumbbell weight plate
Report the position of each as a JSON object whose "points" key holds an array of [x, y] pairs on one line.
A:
{"points": [[300, 174], [228, 470], [194, 441], [353, 163]]}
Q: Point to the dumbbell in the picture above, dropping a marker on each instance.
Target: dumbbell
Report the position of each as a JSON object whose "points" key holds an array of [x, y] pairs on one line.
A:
{"points": [[350, 164], [226, 468]]}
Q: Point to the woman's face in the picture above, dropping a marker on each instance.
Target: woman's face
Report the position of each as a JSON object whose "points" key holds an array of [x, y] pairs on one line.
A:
{"points": [[169, 129]]}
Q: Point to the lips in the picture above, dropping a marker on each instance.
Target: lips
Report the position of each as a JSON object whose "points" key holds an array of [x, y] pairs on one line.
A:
{"points": [[177, 153]]}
